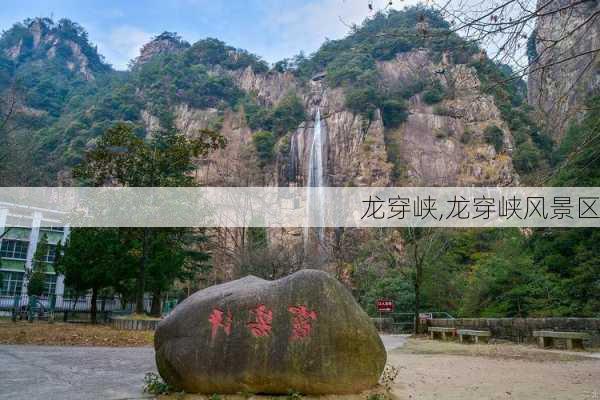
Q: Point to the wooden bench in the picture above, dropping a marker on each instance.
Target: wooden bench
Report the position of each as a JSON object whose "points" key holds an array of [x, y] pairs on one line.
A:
{"points": [[467, 335], [573, 339], [438, 331]]}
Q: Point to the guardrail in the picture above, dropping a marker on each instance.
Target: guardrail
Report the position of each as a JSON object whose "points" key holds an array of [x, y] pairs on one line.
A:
{"points": [[81, 304]]}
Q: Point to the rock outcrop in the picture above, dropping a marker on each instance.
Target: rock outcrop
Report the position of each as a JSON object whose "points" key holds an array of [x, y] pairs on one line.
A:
{"points": [[304, 333], [565, 66], [164, 43], [443, 144], [438, 145], [45, 38]]}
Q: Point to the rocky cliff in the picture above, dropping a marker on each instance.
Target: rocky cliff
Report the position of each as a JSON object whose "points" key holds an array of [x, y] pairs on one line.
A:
{"points": [[444, 144], [40, 40], [565, 59], [439, 145], [165, 43]]}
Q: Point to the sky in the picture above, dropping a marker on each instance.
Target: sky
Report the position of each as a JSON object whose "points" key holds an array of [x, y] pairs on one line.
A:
{"points": [[272, 29]]}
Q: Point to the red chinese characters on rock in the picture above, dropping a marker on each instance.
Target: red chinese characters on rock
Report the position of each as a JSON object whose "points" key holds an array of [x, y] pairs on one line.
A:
{"points": [[218, 319], [301, 321], [260, 323]]}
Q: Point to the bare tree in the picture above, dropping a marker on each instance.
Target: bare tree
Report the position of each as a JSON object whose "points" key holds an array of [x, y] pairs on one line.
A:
{"points": [[504, 29], [416, 248], [8, 106]]}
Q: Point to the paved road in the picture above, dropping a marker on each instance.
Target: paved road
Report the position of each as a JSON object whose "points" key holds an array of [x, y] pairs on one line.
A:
{"points": [[392, 342], [84, 373], [73, 373]]}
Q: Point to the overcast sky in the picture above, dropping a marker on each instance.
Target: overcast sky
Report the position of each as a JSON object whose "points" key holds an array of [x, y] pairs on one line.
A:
{"points": [[273, 29]]}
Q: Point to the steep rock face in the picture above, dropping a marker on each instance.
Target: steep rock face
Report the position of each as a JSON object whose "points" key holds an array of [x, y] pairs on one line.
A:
{"points": [[354, 152], [304, 333], [269, 88], [162, 44], [47, 38], [557, 88], [443, 144], [440, 144]]}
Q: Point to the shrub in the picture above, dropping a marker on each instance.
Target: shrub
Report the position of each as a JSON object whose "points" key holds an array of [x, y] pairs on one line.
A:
{"points": [[264, 142], [439, 109], [348, 68], [154, 384], [413, 88], [288, 114], [394, 112], [257, 116], [494, 136], [526, 158], [466, 137], [293, 395], [363, 101], [440, 134], [435, 94]]}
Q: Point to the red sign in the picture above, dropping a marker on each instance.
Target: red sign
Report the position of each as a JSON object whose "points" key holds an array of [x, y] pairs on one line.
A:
{"points": [[385, 305]]}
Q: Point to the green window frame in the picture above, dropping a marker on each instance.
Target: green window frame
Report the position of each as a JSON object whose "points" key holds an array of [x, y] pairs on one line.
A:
{"points": [[12, 283], [14, 249]]}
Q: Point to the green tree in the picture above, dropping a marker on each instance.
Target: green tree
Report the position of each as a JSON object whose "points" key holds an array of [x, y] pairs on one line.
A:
{"points": [[421, 247], [173, 257], [288, 114], [494, 136], [394, 112], [434, 94], [264, 142], [93, 259], [37, 276], [166, 159]]}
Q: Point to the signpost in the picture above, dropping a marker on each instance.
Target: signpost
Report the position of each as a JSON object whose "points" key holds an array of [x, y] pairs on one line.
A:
{"points": [[384, 306]]}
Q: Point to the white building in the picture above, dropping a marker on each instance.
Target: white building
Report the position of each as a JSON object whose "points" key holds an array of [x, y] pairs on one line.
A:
{"points": [[23, 227]]}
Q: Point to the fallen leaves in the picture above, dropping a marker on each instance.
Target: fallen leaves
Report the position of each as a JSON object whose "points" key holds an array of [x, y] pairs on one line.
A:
{"points": [[62, 334]]}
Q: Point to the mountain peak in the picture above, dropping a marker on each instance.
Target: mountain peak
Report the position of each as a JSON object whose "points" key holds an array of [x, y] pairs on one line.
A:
{"points": [[165, 43], [63, 43]]}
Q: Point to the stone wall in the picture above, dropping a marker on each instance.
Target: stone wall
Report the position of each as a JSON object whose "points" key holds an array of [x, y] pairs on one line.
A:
{"points": [[520, 329], [134, 324]]}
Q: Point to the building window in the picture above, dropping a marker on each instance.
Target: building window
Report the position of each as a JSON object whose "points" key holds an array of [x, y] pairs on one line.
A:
{"points": [[50, 254], [50, 285], [16, 249], [12, 283], [53, 228]]}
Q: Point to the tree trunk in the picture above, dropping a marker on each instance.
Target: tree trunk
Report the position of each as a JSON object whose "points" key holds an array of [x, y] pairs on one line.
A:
{"points": [[155, 309], [418, 279], [141, 278], [94, 307]]}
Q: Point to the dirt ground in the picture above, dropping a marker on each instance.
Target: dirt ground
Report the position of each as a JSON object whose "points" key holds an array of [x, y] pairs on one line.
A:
{"points": [[428, 369], [61, 334], [451, 371]]}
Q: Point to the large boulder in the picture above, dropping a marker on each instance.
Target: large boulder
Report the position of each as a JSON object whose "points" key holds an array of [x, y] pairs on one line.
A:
{"points": [[304, 333]]}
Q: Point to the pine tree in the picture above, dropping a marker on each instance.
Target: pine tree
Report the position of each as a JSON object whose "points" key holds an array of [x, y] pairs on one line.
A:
{"points": [[37, 277]]}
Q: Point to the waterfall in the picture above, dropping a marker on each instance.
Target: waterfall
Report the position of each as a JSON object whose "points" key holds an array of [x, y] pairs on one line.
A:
{"points": [[316, 179], [292, 172]]}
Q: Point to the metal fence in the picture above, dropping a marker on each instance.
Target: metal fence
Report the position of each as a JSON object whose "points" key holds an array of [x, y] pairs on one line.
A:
{"points": [[404, 322], [81, 304]]}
